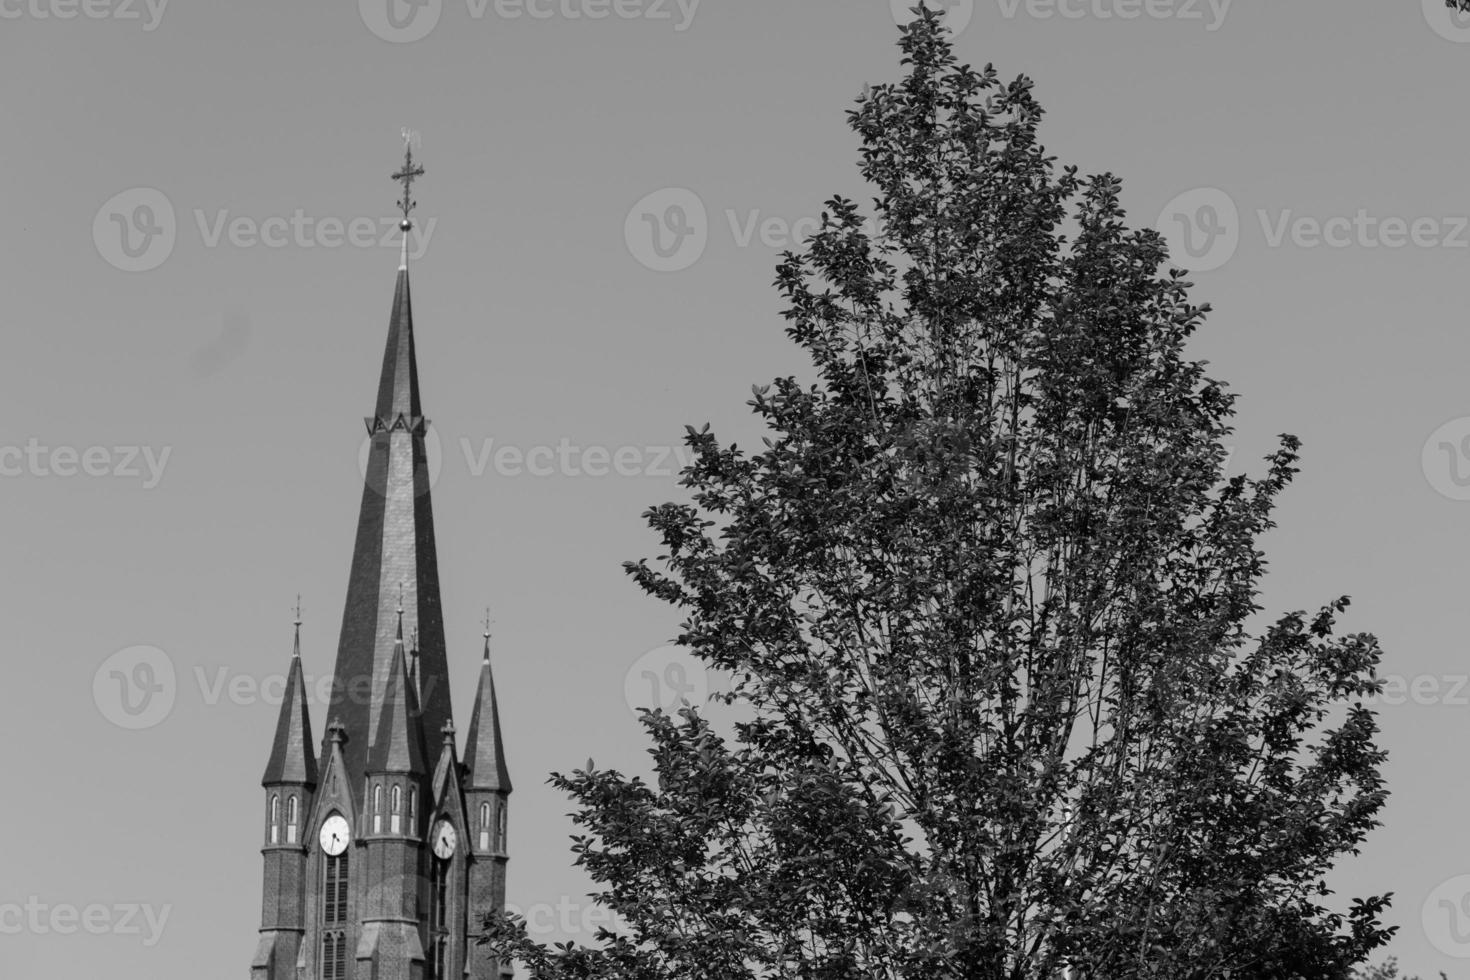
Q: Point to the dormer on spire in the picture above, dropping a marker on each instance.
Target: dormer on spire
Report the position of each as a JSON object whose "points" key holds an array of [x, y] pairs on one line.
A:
{"points": [[398, 745]]}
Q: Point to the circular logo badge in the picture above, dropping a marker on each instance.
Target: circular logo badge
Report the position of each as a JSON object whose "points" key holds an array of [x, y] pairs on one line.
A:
{"points": [[957, 13], [667, 231], [666, 677], [1446, 917], [384, 468], [400, 21], [1202, 228], [1446, 459], [135, 230], [1450, 23], [135, 688]]}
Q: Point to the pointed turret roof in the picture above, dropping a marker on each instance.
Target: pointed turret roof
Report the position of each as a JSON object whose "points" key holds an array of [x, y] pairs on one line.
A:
{"points": [[292, 755], [398, 745], [484, 753], [394, 545]]}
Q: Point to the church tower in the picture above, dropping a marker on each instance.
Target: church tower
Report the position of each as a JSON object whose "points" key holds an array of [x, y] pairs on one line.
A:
{"points": [[383, 851]]}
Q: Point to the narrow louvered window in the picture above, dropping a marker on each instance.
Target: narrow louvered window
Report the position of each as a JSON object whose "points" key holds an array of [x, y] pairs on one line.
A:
{"points": [[334, 917]]}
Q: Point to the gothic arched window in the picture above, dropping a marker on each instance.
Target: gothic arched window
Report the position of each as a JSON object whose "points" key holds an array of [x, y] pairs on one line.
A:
{"points": [[378, 809], [500, 827], [275, 819], [484, 826], [397, 826], [413, 809], [291, 819]]}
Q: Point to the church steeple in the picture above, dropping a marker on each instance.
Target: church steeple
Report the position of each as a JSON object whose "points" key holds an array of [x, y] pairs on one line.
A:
{"points": [[379, 868], [293, 758], [395, 543], [484, 753], [290, 783]]}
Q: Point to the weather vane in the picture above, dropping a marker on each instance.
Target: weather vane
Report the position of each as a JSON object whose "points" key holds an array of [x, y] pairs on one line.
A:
{"points": [[487, 622], [407, 175]]}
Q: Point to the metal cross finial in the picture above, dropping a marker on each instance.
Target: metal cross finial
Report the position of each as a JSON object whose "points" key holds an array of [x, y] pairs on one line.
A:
{"points": [[487, 622], [298, 609], [407, 175]]}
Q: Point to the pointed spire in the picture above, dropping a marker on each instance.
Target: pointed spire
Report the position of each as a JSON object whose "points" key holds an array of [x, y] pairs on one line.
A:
{"points": [[398, 745], [484, 753], [394, 544], [293, 759]]}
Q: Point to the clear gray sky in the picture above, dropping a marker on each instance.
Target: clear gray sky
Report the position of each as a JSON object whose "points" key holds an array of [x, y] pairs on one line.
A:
{"points": [[193, 324]]}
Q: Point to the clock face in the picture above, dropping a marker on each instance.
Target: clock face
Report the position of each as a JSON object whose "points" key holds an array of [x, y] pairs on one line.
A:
{"points": [[335, 835], [445, 840]]}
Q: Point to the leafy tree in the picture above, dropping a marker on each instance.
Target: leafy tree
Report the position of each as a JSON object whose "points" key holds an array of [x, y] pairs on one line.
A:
{"points": [[1388, 970], [985, 593], [1458, 5]]}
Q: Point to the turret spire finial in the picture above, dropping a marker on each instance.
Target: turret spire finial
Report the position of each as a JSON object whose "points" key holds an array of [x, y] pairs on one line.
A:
{"points": [[296, 646], [487, 634], [400, 614]]}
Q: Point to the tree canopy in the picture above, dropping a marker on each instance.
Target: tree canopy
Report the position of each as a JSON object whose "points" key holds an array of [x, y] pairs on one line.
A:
{"points": [[990, 601]]}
